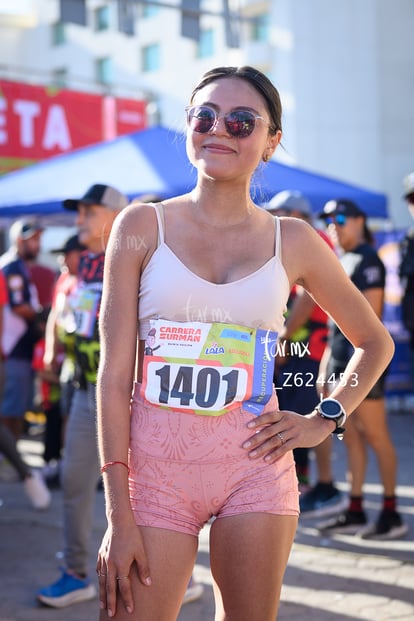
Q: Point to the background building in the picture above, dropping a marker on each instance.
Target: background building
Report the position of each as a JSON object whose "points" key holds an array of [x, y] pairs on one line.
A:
{"points": [[344, 68]]}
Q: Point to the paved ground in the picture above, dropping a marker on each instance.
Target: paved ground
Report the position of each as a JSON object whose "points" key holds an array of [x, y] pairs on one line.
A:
{"points": [[339, 579]]}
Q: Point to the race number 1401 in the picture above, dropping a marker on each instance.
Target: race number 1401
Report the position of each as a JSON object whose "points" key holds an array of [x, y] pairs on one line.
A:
{"points": [[194, 386]]}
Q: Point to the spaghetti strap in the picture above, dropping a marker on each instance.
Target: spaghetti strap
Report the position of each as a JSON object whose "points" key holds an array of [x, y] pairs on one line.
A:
{"points": [[159, 211], [278, 239]]}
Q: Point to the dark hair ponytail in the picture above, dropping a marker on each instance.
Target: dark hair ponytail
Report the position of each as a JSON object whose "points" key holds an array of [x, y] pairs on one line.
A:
{"points": [[368, 236]]}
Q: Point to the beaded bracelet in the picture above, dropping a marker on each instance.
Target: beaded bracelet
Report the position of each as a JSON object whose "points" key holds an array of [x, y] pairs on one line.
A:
{"points": [[113, 463]]}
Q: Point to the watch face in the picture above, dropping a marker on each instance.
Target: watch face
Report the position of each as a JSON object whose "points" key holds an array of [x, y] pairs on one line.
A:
{"points": [[331, 408]]}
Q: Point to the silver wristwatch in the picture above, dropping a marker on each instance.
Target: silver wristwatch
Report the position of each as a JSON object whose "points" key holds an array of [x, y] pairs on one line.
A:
{"points": [[332, 410]]}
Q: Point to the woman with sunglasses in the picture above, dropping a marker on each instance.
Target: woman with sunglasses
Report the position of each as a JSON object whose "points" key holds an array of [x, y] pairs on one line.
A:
{"points": [[368, 427], [202, 436]]}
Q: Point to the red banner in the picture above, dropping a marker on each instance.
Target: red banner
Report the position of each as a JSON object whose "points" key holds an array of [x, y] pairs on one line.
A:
{"points": [[37, 122]]}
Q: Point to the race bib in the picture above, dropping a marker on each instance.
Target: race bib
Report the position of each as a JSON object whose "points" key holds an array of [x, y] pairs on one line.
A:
{"points": [[85, 305], [207, 368]]}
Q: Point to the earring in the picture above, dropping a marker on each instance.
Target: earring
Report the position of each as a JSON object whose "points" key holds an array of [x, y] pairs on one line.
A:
{"points": [[265, 157]]}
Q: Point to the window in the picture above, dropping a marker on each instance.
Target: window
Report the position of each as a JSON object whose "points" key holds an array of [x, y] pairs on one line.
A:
{"points": [[73, 11], [104, 70], [126, 17], [260, 28], [150, 10], [60, 78], [151, 57], [102, 18], [58, 33], [206, 44]]}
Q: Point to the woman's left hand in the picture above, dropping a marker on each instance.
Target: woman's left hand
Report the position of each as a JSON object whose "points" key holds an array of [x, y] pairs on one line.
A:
{"points": [[277, 432]]}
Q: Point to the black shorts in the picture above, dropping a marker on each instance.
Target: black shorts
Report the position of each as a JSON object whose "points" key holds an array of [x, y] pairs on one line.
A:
{"points": [[296, 383], [376, 392]]}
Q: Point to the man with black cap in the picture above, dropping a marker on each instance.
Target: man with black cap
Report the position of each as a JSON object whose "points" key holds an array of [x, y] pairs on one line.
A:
{"points": [[407, 272], [96, 212], [368, 426], [20, 332], [323, 498]]}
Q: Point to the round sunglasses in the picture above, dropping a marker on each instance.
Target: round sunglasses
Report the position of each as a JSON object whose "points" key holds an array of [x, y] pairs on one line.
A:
{"points": [[239, 123]]}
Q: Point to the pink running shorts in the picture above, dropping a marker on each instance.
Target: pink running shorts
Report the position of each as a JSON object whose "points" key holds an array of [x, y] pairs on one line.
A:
{"points": [[186, 468]]}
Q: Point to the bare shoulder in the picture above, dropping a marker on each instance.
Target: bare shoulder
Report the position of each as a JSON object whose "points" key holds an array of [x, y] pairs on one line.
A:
{"points": [[303, 249], [296, 235], [137, 216], [135, 230], [296, 229]]}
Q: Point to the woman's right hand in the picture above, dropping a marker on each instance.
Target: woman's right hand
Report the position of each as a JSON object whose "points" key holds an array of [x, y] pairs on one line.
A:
{"points": [[121, 547]]}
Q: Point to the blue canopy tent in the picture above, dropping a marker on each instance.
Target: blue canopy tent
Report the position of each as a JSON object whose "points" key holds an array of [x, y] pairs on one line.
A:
{"points": [[274, 177], [152, 161]]}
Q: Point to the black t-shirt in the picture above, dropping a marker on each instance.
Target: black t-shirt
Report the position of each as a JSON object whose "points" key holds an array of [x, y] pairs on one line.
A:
{"points": [[367, 271], [406, 269]]}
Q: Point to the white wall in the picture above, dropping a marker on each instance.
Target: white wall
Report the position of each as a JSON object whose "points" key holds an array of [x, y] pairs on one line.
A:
{"points": [[347, 85]]}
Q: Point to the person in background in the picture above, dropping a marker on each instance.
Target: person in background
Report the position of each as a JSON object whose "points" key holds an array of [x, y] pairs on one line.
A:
{"points": [[34, 486], [183, 443], [59, 354], [297, 372], [406, 273], [368, 427], [20, 322], [96, 212], [44, 279]]}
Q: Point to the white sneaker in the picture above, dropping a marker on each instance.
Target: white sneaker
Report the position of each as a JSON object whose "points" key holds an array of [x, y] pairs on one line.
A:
{"points": [[194, 591], [37, 491]]}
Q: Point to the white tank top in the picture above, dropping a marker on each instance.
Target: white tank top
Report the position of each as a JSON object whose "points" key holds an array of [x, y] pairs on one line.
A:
{"points": [[169, 290]]}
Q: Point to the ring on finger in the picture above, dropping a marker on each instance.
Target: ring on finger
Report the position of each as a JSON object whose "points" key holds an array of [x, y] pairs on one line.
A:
{"points": [[281, 438], [121, 577]]}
